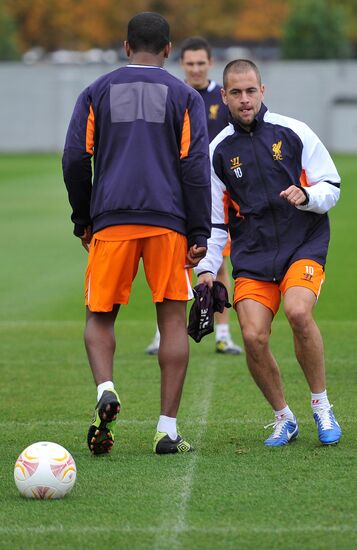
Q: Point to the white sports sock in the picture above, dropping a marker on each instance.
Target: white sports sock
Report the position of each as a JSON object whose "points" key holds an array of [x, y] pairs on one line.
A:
{"points": [[319, 400], [157, 336], [167, 424], [104, 386], [222, 332], [285, 413]]}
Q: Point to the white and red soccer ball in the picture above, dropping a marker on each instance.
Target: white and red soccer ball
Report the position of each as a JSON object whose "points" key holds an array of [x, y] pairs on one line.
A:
{"points": [[45, 470]]}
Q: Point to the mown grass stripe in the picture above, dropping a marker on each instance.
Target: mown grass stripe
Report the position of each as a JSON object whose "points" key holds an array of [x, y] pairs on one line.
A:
{"points": [[237, 486]]}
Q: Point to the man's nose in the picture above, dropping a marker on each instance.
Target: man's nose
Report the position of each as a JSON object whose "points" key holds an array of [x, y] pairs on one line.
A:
{"points": [[244, 97]]}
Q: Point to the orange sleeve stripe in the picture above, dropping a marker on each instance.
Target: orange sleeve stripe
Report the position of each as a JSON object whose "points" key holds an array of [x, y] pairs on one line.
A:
{"points": [[90, 131], [186, 136]]}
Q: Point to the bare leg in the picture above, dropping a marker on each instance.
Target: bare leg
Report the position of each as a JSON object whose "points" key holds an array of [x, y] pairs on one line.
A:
{"points": [[255, 320], [223, 277], [99, 340], [309, 349], [173, 353]]}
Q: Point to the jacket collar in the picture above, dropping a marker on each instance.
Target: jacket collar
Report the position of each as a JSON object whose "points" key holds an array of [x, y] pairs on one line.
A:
{"points": [[258, 120]]}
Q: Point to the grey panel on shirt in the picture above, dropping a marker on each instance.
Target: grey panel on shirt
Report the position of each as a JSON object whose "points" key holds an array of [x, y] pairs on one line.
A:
{"points": [[138, 101]]}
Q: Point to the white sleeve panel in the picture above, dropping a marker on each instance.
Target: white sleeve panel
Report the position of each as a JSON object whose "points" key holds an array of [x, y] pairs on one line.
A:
{"points": [[217, 189], [217, 186], [213, 259], [321, 175], [216, 243]]}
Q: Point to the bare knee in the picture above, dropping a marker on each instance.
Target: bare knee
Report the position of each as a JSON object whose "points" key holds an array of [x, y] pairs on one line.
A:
{"points": [[171, 316], [254, 338], [299, 317], [99, 326]]}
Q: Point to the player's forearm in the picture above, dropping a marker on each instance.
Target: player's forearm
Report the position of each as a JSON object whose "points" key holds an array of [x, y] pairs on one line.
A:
{"points": [[321, 197], [77, 173], [196, 190], [213, 259]]}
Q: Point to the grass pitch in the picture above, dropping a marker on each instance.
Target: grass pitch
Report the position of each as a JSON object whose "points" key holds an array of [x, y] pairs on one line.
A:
{"points": [[232, 492]]}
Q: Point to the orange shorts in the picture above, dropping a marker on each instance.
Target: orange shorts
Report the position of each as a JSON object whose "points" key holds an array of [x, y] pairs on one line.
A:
{"points": [[305, 273], [227, 249], [113, 265]]}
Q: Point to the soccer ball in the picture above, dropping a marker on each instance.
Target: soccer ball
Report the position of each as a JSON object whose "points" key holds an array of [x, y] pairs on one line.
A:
{"points": [[45, 470]]}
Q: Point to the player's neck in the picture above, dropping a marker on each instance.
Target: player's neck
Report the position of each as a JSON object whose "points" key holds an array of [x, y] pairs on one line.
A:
{"points": [[201, 86], [147, 58]]}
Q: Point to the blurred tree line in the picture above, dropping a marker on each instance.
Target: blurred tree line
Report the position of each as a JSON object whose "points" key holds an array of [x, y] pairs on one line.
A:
{"points": [[313, 29]]}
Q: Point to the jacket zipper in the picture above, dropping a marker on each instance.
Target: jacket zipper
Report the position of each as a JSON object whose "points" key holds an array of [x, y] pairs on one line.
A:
{"points": [[251, 134]]}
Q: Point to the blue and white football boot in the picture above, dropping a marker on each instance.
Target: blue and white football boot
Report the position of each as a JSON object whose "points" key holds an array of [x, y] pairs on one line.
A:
{"points": [[285, 430], [328, 428]]}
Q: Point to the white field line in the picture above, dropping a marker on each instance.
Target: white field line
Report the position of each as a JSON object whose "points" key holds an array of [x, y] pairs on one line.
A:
{"points": [[175, 528], [80, 322], [67, 361], [181, 520], [185, 490], [200, 422]]}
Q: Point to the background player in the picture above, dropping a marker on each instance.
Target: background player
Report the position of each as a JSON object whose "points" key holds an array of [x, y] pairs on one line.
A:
{"points": [[196, 61]]}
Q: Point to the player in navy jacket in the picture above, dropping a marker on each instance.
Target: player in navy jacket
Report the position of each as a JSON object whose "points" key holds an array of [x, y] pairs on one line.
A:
{"points": [[149, 198], [273, 182], [196, 61]]}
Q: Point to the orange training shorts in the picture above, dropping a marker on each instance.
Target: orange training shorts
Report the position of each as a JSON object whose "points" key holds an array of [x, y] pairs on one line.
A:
{"points": [[227, 249], [305, 273], [113, 262]]}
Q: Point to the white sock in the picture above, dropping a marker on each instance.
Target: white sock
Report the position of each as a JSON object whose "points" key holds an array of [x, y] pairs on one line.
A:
{"points": [[167, 424], [319, 400], [285, 413], [222, 332], [104, 386], [157, 335]]}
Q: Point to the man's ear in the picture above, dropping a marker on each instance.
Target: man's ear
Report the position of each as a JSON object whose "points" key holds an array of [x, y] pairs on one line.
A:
{"points": [[127, 48], [167, 50], [262, 89], [224, 96]]}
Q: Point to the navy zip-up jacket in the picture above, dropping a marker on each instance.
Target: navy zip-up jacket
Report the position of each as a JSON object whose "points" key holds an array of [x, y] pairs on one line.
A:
{"points": [[147, 132], [248, 172], [216, 111]]}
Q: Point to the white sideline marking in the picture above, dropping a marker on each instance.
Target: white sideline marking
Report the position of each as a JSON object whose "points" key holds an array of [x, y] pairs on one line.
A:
{"points": [[74, 362], [127, 422], [93, 529], [80, 323], [185, 492]]}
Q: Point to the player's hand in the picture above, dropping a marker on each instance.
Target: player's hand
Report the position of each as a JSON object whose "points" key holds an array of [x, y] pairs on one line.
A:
{"points": [[194, 255], [294, 195], [86, 237], [206, 279]]}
